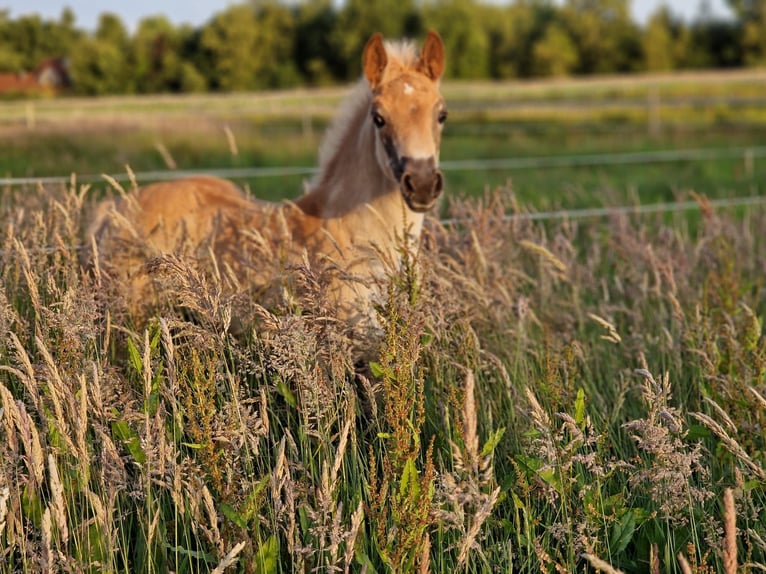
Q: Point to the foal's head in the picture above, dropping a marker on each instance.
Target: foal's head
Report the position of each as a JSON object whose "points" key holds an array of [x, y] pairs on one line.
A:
{"points": [[408, 113]]}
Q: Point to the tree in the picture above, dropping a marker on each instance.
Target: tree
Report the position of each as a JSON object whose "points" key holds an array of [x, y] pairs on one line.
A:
{"points": [[606, 38], [316, 58], [752, 16], [228, 42], [95, 66], [462, 27], [273, 55], [156, 55], [658, 41], [360, 19], [555, 54], [112, 49], [513, 33]]}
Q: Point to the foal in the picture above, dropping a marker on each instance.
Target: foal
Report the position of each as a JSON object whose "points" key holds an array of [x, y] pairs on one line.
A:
{"points": [[379, 173]]}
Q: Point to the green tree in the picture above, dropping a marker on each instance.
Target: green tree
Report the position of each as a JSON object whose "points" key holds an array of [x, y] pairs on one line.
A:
{"points": [[514, 30], [228, 42], [315, 55], [11, 60], [658, 42], [95, 66], [606, 38], [156, 60], [461, 24], [752, 16], [555, 54], [273, 55], [112, 50], [360, 19]]}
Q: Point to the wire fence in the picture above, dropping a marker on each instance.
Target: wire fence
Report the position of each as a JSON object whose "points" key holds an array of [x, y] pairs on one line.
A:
{"points": [[747, 154], [561, 214]]}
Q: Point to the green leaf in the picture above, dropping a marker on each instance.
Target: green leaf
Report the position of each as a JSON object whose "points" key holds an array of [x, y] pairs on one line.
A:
{"points": [[251, 504], [266, 559], [234, 516], [492, 442], [409, 485], [376, 369], [580, 408], [134, 357], [364, 561], [130, 439], [518, 504], [622, 532], [287, 394]]}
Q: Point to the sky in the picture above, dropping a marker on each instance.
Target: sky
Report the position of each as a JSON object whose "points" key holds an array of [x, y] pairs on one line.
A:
{"points": [[199, 11]]}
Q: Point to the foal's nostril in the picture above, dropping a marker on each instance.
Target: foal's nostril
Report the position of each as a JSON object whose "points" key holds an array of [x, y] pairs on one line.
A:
{"points": [[438, 183], [407, 181]]}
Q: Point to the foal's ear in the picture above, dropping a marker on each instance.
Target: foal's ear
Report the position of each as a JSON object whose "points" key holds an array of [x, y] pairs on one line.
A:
{"points": [[431, 61], [374, 60]]}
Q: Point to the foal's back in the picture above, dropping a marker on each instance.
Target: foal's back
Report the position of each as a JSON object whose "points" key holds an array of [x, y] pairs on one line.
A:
{"points": [[196, 218]]}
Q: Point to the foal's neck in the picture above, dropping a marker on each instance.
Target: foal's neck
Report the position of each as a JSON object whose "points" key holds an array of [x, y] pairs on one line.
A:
{"points": [[351, 184]]}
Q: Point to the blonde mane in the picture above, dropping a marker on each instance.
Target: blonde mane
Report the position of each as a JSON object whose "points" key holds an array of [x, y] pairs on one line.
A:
{"points": [[402, 56]]}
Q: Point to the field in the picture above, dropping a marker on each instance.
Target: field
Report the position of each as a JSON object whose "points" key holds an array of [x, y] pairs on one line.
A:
{"points": [[560, 394]]}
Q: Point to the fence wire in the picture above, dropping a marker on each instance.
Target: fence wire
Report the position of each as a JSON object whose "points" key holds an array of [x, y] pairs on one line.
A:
{"points": [[571, 214], [747, 154]]}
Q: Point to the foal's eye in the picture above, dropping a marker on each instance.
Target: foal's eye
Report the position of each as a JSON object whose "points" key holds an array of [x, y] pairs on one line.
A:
{"points": [[378, 120], [443, 116]]}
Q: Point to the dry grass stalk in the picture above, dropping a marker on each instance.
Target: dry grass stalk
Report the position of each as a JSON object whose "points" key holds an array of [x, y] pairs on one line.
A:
{"points": [[162, 149], [674, 474], [231, 140], [5, 494], [601, 565], [612, 334], [654, 559], [684, 564], [424, 566], [539, 416], [212, 515], [353, 533], [731, 445], [470, 422], [47, 551], [57, 492], [558, 266], [230, 559], [730, 529], [758, 396], [469, 540], [16, 416]]}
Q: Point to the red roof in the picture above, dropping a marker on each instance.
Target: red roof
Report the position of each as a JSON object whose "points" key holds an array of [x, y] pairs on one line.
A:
{"points": [[18, 83], [49, 75]]}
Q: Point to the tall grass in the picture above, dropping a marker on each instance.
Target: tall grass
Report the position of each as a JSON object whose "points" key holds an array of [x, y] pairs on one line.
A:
{"points": [[546, 397]]}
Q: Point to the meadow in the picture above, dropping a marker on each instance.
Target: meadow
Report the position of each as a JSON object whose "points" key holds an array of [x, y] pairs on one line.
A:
{"points": [[559, 395]]}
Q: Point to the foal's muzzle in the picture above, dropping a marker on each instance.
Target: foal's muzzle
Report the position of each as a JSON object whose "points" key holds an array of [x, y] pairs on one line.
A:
{"points": [[421, 184]]}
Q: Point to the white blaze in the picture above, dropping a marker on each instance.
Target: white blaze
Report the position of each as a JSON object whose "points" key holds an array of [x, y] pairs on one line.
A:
{"points": [[408, 90]]}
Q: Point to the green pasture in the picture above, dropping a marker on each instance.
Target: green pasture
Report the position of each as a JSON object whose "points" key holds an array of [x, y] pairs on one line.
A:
{"points": [[487, 121], [573, 395]]}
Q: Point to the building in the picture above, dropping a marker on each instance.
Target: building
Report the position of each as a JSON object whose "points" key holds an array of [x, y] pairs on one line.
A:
{"points": [[50, 77]]}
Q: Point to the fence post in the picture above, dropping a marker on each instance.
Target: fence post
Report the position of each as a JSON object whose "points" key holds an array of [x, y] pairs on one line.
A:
{"points": [[30, 116], [653, 111], [749, 160]]}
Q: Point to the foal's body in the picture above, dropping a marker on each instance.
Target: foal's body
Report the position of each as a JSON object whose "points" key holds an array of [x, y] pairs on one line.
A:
{"points": [[378, 175]]}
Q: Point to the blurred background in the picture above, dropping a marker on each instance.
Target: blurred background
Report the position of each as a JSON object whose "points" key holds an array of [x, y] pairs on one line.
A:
{"points": [[576, 103]]}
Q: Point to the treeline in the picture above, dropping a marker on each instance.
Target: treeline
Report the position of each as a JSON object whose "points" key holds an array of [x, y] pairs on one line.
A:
{"points": [[270, 44]]}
